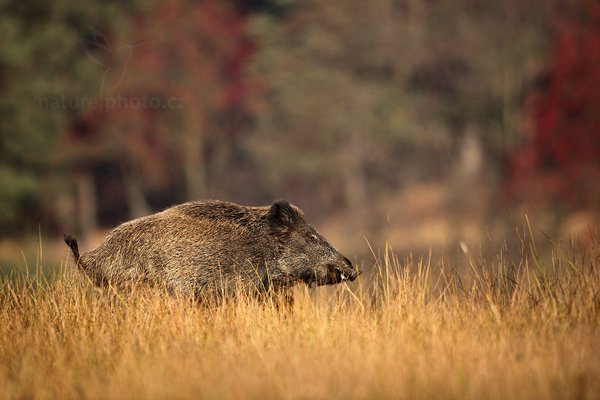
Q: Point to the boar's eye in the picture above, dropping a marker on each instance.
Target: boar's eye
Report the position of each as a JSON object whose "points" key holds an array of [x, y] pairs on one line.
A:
{"points": [[313, 236]]}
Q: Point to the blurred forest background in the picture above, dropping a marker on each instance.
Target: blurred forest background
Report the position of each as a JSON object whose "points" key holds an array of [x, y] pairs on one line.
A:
{"points": [[423, 123]]}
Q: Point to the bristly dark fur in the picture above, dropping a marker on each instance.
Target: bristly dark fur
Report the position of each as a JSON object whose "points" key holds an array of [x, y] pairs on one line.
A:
{"points": [[72, 243], [216, 247]]}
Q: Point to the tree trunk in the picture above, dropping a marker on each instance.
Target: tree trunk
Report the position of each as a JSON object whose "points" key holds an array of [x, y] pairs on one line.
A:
{"points": [[86, 199], [354, 177], [194, 168], [136, 201], [470, 156]]}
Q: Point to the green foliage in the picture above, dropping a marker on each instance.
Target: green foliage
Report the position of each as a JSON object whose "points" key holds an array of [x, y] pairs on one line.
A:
{"points": [[18, 189], [360, 96], [42, 71], [402, 79]]}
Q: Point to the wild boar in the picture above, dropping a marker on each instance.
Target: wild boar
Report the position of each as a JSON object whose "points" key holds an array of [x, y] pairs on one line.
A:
{"points": [[216, 247]]}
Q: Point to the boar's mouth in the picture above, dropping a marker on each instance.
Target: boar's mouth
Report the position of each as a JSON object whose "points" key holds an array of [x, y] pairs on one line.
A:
{"points": [[335, 274]]}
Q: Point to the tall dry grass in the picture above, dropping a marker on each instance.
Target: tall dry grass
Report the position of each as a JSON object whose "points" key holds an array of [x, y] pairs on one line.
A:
{"points": [[497, 329]]}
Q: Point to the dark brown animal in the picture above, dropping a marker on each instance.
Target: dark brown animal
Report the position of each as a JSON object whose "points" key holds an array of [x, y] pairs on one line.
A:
{"points": [[216, 247]]}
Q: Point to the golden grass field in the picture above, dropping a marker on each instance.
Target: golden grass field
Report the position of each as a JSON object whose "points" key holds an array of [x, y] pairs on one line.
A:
{"points": [[496, 329]]}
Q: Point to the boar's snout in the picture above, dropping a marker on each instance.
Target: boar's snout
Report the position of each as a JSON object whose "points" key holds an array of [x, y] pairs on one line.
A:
{"points": [[351, 272], [342, 273]]}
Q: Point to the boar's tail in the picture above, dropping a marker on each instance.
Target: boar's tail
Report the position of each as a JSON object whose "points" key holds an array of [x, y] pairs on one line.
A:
{"points": [[72, 243]]}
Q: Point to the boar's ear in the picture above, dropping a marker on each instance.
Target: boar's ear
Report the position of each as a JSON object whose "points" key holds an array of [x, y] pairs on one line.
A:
{"points": [[282, 217]]}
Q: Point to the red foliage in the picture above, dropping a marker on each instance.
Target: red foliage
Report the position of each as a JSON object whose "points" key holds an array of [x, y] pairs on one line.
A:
{"points": [[560, 162], [175, 72]]}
